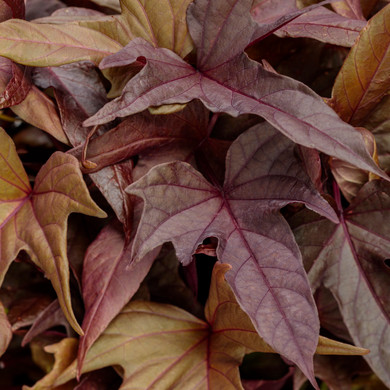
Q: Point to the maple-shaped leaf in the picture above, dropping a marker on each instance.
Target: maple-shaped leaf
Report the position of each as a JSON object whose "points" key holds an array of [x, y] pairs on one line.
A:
{"points": [[350, 259], [226, 80], [35, 220], [191, 353], [262, 175]]}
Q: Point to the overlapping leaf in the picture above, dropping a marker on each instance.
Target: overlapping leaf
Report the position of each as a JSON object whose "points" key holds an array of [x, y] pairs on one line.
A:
{"points": [[6, 331], [350, 260], [52, 45], [35, 219], [363, 79], [262, 175], [226, 80], [109, 281], [320, 23], [192, 354]]}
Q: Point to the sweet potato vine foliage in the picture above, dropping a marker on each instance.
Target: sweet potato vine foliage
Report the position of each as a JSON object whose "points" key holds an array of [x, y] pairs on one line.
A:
{"points": [[236, 156]]}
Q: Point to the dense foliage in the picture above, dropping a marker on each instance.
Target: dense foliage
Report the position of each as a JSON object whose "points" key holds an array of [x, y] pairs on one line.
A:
{"points": [[224, 162]]}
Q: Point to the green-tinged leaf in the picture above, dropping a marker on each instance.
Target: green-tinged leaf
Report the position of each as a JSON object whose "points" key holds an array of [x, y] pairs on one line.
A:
{"points": [[163, 347], [52, 45], [364, 78], [40, 111], [64, 352], [160, 22], [35, 220]]}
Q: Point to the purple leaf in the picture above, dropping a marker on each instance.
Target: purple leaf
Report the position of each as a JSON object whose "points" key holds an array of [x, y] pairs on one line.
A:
{"points": [[16, 83], [110, 279], [50, 317], [227, 81], [320, 23], [350, 260], [262, 175]]}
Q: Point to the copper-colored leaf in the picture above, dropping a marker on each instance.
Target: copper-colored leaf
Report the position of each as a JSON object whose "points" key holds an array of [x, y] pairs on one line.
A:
{"points": [[29, 222], [168, 348], [52, 45], [364, 78]]}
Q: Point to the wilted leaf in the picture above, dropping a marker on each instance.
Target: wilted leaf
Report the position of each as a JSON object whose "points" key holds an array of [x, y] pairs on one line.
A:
{"points": [[364, 78], [26, 221], [52, 45], [244, 216], [350, 260], [287, 104], [110, 279]]}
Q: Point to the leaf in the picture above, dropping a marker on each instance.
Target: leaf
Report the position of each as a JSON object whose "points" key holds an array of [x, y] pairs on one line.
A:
{"points": [[320, 23], [262, 175], [160, 22], [50, 317], [51, 45], [36, 9], [287, 104], [363, 79], [6, 331], [11, 9], [110, 279], [44, 236], [15, 83], [349, 259], [64, 353], [192, 353], [349, 8], [349, 178]]}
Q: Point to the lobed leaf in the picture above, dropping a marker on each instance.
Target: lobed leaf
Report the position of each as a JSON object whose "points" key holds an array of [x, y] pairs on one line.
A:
{"points": [[252, 235], [28, 222], [349, 259], [192, 354], [167, 79]]}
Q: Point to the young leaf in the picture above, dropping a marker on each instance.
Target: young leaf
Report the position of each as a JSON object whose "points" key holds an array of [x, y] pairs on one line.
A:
{"points": [[191, 354], [288, 105], [350, 260], [27, 221], [110, 279], [363, 79], [262, 175], [51, 45]]}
